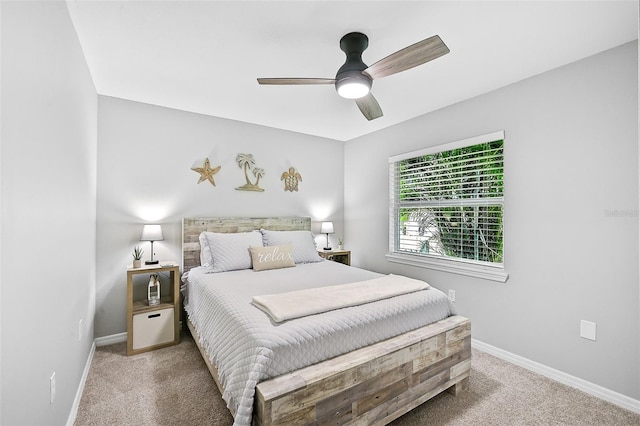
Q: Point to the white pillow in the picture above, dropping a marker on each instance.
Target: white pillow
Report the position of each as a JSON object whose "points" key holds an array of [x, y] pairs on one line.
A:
{"points": [[304, 246], [227, 252]]}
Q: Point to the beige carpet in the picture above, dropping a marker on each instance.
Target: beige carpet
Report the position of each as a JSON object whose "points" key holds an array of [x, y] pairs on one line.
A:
{"points": [[172, 386]]}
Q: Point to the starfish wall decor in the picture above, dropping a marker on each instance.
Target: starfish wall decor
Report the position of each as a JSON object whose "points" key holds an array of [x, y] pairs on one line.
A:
{"points": [[206, 172]]}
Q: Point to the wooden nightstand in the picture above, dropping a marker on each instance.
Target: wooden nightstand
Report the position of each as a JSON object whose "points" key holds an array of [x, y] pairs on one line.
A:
{"points": [[340, 256], [157, 326]]}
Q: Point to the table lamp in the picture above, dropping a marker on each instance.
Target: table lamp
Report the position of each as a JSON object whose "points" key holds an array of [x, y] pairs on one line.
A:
{"points": [[151, 233], [327, 228]]}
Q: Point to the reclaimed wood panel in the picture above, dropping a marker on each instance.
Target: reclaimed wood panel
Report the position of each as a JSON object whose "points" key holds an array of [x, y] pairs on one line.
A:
{"points": [[192, 227], [372, 385]]}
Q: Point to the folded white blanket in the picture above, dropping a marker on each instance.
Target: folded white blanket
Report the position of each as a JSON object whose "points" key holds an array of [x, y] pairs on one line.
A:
{"points": [[295, 304]]}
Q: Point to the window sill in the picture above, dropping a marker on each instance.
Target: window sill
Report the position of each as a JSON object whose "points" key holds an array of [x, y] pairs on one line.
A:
{"points": [[492, 273]]}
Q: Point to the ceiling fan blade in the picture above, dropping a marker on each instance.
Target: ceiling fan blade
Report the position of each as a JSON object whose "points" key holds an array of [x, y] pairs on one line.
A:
{"points": [[409, 57], [369, 107], [295, 81]]}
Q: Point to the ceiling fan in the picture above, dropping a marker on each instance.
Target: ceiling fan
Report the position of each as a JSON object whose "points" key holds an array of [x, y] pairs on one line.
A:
{"points": [[354, 79]]}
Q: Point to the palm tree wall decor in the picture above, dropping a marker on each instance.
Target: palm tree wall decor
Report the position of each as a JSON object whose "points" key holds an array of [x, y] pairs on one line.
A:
{"points": [[247, 163]]}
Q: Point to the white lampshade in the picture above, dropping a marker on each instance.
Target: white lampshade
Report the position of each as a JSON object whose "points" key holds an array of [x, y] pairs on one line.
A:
{"points": [[326, 228], [151, 233]]}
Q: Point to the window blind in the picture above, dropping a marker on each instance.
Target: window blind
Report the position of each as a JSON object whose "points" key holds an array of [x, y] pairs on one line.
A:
{"points": [[448, 201]]}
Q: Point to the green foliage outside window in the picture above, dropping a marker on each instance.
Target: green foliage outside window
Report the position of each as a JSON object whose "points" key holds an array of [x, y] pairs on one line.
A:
{"points": [[451, 202]]}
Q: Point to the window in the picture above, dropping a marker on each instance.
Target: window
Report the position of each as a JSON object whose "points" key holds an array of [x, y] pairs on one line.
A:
{"points": [[447, 207]]}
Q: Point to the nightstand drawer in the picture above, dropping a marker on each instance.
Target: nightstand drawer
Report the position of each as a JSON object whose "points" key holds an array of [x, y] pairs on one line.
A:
{"points": [[152, 328]]}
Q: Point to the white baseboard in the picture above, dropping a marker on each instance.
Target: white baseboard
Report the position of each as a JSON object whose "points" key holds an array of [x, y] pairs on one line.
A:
{"points": [[564, 378], [109, 340], [76, 402]]}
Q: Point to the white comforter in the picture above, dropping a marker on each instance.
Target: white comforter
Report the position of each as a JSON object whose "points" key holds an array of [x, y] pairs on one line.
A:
{"points": [[247, 347]]}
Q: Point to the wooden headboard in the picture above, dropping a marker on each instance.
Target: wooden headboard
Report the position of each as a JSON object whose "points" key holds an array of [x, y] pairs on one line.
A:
{"points": [[193, 226]]}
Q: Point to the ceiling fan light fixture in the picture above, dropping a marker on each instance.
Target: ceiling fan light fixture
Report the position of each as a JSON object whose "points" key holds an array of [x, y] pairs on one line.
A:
{"points": [[354, 78], [353, 87]]}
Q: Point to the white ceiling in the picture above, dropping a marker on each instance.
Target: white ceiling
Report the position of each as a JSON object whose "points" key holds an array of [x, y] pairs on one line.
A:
{"points": [[205, 56]]}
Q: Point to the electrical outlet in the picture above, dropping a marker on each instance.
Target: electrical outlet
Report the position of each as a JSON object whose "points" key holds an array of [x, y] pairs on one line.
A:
{"points": [[52, 387], [80, 330], [452, 295], [588, 330]]}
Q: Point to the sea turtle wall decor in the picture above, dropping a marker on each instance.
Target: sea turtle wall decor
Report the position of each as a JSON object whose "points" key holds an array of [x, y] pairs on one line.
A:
{"points": [[206, 172], [246, 162], [291, 179]]}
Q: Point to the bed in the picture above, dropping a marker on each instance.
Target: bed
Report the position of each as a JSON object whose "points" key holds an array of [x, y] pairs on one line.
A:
{"points": [[363, 364]]}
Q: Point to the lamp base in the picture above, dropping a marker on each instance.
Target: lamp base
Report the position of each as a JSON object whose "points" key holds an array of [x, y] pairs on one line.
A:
{"points": [[151, 262], [327, 249]]}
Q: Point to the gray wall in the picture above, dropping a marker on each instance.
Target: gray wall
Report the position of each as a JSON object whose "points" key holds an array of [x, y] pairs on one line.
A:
{"points": [[48, 193], [145, 154], [571, 215], [571, 233]]}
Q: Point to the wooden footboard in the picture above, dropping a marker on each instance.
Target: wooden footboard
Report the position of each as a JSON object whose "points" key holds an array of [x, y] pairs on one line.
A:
{"points": [[372, 385]]}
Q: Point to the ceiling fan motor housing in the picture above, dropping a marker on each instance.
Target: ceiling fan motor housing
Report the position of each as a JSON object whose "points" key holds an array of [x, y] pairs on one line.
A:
{"points": [[351, 82]]}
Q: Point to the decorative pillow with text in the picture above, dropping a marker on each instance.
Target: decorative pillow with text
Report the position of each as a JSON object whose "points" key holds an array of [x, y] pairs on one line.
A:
{"points": [[272, 257]]}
